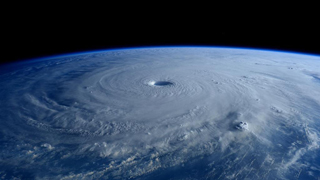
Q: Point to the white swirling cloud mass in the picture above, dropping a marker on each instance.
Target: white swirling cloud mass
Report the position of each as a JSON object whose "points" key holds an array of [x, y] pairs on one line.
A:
{"points": [[161, 113]]}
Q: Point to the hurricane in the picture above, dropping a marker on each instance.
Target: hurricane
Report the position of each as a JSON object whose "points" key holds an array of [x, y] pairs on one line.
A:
{"points": [[162, 113]]}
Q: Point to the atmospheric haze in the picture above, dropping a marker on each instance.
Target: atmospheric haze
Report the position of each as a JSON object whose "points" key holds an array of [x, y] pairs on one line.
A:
{"points": [[162, 113]]}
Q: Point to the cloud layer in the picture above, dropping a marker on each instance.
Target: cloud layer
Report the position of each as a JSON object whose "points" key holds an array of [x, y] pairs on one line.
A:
{"points": [[162, 113]]}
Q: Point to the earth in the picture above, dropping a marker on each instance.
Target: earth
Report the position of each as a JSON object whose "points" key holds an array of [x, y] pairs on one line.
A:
{"points": [[162, 113]]}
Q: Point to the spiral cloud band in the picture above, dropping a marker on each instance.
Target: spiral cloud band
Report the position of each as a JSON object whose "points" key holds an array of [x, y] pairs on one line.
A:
{"points": [[162, 113]]}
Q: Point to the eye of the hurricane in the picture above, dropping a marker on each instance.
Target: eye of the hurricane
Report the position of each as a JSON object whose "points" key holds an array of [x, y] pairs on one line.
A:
{"points": [[160, 83]]}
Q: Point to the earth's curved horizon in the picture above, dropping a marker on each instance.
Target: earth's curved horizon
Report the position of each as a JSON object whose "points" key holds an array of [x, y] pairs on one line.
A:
{"points": [[162, 113]]}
